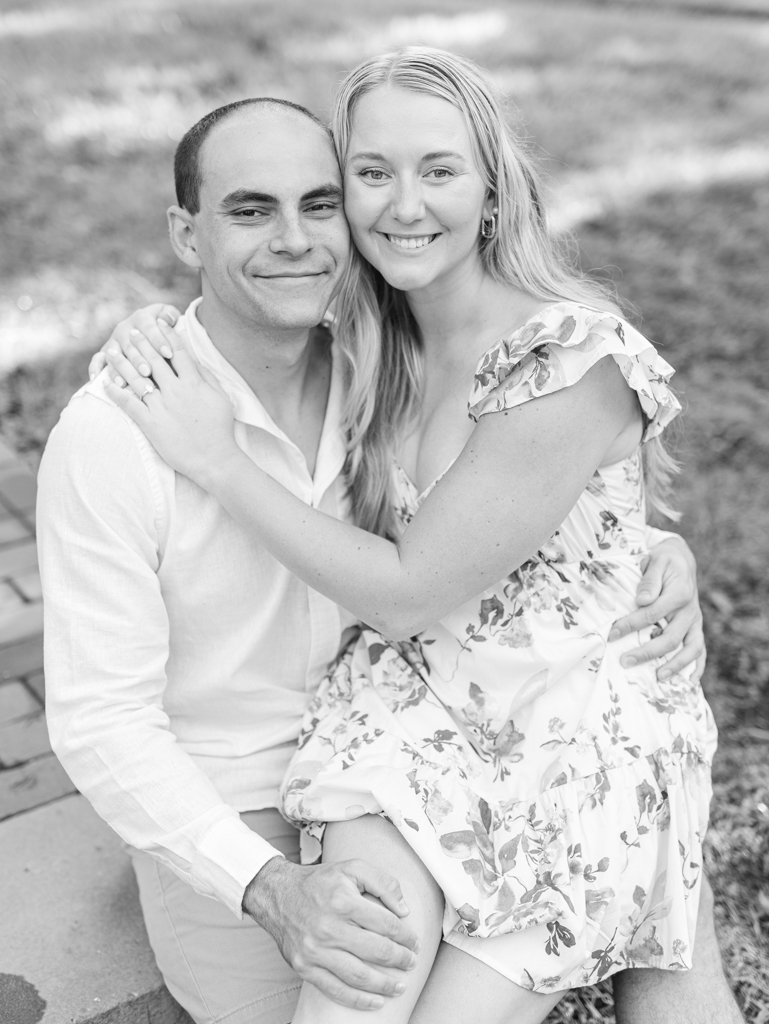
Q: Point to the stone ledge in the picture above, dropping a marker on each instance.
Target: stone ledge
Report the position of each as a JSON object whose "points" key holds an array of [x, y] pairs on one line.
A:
{"points": [[16, 701], [32, 784], [22, 658], [73, 948], [24, 739]]}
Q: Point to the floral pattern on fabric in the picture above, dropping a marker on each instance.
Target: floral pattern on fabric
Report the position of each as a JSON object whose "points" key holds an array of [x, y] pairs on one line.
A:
{"points": [[557, 347], [559, 800]]}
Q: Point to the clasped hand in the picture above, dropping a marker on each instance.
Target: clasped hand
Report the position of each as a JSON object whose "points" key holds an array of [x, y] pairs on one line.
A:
{"points": [[182, 410]]}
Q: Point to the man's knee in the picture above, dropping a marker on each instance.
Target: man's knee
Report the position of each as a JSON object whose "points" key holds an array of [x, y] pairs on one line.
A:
{"points": [[706, 955], [699, 996], [216, 966]]}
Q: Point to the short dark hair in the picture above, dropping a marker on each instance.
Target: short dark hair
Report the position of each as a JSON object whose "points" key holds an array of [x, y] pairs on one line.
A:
{"points": [[187, 174]]}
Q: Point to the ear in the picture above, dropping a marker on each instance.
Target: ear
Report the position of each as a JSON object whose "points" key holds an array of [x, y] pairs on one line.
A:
{"points": [[181, 229], [490, 208]]}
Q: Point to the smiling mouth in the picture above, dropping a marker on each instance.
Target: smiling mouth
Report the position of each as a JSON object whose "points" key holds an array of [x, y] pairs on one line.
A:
{"points": [[410, 241], [292, 277]]}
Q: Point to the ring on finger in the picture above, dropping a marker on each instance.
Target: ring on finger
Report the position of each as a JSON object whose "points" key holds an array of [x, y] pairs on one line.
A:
{"points": [[149, 387]]}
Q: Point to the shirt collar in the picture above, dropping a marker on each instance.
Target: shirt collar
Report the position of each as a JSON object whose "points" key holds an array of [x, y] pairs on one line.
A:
{"points": [[248, 408]]}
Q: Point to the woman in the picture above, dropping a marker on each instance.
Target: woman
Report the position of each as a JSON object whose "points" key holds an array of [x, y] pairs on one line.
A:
{"points": [[555, 799]]}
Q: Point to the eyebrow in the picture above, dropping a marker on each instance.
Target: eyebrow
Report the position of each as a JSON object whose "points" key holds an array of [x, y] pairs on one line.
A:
{"points": [[329, 191], [245, 195], [438, 155], [441, 154]]}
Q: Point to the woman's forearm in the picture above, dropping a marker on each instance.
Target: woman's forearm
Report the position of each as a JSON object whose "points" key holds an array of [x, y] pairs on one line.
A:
{"points": [[358, 570], [514, 483], [472, 529]]}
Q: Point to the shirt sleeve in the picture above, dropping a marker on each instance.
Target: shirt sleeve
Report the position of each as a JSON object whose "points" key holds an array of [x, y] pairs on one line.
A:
{"points": [[100, 524]]}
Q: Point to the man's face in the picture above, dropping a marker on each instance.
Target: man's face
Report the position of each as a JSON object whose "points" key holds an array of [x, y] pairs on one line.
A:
{"points": [[271, 233]]}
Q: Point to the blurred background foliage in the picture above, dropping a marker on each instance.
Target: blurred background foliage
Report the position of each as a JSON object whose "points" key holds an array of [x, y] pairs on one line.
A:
{"points": [[652, 121]]}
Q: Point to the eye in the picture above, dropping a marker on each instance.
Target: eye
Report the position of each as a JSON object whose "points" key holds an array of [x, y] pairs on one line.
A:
{"points": [[372, 174], [248, 213], [326, 206], [440, 173]]}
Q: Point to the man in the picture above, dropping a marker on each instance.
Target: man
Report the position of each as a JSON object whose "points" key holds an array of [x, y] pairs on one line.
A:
{"points": [[179, 655]]}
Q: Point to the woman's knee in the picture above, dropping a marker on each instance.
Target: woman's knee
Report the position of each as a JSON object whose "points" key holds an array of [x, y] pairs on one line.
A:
{"points": [[365, 829], [374, 839]]}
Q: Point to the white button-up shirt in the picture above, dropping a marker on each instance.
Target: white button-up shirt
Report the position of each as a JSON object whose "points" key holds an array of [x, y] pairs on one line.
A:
{"points": [[180, 655]]}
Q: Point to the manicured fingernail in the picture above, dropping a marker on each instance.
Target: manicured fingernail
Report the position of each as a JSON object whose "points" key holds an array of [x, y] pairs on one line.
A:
{"points": [[627, 661], [614, 634], [644, 595], [113, 350], [120, 382], [144, 370], [166, 352], [376, 1003], [135, 333], [417, 946], [664, 673], [400, 988], [91, 376]]}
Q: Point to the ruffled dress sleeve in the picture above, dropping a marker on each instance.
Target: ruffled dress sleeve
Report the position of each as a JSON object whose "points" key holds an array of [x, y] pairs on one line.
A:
{"points": [[556, 347]]}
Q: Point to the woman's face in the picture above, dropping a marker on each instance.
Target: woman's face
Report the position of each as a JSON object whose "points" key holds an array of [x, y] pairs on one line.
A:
{"points": [[414, 196]]}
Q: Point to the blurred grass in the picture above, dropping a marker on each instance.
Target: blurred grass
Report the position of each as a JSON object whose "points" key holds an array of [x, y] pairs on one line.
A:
{"points": [[653, 122], [695, 266]]}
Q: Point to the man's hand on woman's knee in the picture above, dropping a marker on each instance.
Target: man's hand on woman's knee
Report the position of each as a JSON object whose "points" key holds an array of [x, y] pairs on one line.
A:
{"points": [[331, 934]]}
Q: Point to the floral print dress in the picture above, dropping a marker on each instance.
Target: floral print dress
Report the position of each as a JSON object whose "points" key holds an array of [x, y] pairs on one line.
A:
{"points": [[559, 799]]}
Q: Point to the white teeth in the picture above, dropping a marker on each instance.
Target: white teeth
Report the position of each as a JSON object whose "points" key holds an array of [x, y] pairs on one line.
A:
{"points": [[410, 243]]}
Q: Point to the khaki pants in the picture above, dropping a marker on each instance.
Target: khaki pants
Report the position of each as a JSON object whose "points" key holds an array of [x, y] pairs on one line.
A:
{"points": [[220, 969]]}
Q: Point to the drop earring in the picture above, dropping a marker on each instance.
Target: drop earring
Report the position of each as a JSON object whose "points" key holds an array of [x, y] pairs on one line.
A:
{"points": [[489, 227]]}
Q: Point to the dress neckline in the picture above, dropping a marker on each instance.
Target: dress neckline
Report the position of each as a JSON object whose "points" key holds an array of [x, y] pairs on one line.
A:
{"points": [[419, 496]]}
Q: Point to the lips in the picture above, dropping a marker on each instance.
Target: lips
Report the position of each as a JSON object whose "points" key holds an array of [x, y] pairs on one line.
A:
{"points": [[410, 241], [292, 277]]}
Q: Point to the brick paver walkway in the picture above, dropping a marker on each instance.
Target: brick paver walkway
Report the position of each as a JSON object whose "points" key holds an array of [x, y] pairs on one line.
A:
{"points": [[73, 948], [30, 775]]}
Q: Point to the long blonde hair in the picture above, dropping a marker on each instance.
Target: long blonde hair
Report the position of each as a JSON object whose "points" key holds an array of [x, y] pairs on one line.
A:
{"points": [[375, 328]]}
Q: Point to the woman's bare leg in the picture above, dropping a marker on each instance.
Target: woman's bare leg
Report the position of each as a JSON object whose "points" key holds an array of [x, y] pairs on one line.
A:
{"points": [[375, 840], [461, 988], [453, 987]]}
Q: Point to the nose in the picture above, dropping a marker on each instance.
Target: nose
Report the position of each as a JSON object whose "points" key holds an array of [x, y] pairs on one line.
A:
{"points": [[290, 237], [407, 203]]}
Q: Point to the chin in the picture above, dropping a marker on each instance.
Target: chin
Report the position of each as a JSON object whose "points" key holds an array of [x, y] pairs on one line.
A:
{"points": [[296, 319], [306, 308], [407, 279]]}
